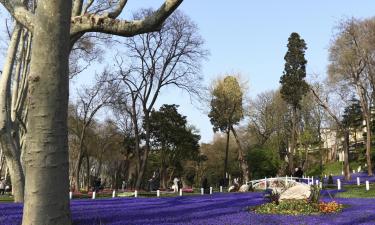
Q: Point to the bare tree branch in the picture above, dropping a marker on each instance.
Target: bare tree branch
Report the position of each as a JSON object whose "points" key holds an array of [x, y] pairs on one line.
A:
{"points": [[117, 11], [19, 11], [77, 7], [325, 106], [86, 7], [105, 24]]}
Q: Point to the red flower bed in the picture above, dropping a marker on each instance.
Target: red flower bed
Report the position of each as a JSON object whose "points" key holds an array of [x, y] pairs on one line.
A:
{"points": [[329, 207]]}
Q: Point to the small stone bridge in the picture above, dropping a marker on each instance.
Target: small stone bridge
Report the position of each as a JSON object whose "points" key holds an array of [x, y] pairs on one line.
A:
{"points": [[280, 183]]}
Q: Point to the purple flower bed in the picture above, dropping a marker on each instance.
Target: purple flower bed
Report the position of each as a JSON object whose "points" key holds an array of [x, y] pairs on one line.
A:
{"points": [[215, 209]]}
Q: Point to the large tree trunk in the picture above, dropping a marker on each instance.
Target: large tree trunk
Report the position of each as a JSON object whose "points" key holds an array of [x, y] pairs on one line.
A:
{"points": [[293, 140], [163, 169], [78, 164], [134, 119], [346, 154], [320, 148], [144, 158], [368, 145], [164, 178], [142, 168], [12, 152], [46, 156], [77, 169], [2, 161], [88, 181], [17, 178], [366, 111], [241, 158], [226, 157], [305, 165]]}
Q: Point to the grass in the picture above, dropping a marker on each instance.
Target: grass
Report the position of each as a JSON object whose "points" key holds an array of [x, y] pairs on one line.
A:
{"points": [[354, 191], [6, 198], [334, 168]]}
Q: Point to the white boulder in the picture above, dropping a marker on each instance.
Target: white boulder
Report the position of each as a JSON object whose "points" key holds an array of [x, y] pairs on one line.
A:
{"points": [[244, 188], [299, 191], [232, 189]]}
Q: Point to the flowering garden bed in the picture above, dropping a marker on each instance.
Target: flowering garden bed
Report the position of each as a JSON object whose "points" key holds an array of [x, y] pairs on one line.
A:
{"points": [[208, 209], [298, 207]]}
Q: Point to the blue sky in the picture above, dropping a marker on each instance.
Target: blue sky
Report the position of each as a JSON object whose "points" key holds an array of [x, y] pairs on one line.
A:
{"points": [[250, 37]]}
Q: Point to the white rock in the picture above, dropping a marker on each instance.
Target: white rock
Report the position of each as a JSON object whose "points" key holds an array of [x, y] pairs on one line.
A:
{"points": [[232, 189], [244, 188], [279, 185], [300, 191]]}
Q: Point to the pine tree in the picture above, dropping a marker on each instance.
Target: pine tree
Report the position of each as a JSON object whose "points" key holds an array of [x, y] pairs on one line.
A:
{"points": [[293, 84], [352, 117]]}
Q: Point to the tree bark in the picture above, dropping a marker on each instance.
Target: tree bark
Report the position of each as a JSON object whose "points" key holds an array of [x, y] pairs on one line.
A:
{"points": [[320, 148], [77, 169], [18, 179], [346, 154], [46, 156], [226, 157], [163, 169], [241, 158], [306, 163], [2, 160], [88, 173], [134, 119], [292, 141], [11, 149], [368, 145], [144, 158], [106, 23]]}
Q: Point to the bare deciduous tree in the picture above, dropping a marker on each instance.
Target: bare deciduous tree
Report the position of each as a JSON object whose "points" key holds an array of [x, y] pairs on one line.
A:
{"points": [[55, 27], [343, 130], [90, 101], [349, 66], [170, 57]]}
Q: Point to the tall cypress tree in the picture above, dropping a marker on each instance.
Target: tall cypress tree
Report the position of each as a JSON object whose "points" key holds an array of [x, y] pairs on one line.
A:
{"points": [[293, 85]]}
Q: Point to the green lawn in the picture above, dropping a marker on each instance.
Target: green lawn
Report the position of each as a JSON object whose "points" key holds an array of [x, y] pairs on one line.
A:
{"points": [[334, 168], [6, 198], [354, 191]]}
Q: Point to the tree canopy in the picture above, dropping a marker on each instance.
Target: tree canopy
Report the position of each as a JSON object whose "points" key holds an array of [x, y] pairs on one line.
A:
{"points": [[293, 85], [226, 104]]}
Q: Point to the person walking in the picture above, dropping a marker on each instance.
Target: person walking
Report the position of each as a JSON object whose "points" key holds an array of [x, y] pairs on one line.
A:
{"points": [[298, 173], [175, 184], [205, 185], [123, 186]]}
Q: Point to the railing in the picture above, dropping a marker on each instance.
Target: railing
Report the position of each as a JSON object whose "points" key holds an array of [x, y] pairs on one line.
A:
{"points": [[285, 180]]}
